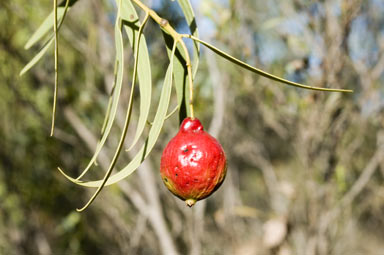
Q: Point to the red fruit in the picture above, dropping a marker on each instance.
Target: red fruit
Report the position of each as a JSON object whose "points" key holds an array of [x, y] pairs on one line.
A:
{"points": [[193, 164]]}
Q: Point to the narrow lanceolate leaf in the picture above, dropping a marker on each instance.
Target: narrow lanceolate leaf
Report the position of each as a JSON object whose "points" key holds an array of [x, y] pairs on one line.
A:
{"points": [[44, 28], [142, 64], [37, 57], [47, 24], [180, 69], [258, 71], [121, 141], [180, 75], [189, 15], [110, 99], [116, 94], [40, 33], [150, 141], [109, 106]]}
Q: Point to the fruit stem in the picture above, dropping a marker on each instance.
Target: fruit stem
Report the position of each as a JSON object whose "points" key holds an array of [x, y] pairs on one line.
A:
{"points": [[190, 77]]}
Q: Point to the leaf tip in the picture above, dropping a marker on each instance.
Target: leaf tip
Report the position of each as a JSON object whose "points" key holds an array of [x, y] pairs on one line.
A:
{"points": [[22, 72], [63, 173], [130, 147], [28, 45], [80, 209]]}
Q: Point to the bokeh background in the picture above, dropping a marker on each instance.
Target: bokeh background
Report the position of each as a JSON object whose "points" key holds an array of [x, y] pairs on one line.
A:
{"points": [[306, 168]]}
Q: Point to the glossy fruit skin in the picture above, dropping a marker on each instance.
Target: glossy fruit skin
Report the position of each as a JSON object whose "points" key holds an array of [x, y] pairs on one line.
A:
{"points": [[193, 164]]}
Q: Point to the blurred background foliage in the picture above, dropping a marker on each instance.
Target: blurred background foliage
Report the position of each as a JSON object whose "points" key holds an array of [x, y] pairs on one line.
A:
{"points": [[305, 168]]}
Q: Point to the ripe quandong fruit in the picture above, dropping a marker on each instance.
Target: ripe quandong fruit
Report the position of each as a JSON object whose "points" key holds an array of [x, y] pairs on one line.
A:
{"points": [[193, 164]]}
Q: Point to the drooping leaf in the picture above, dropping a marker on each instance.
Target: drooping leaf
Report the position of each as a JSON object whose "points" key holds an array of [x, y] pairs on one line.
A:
{"points": [[180, 75], [189, 15], [180, 69], [44, 28], [110, 99], [47, 24], [37, 57], [258, 71], [142, 64], [128, 113], [150, 141], [115, 97], [41, 32], [125, 128]]}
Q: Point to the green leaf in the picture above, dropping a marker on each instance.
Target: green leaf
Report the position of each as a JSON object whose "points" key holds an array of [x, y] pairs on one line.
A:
{"points": [[40, 33], [116, 94], [180, 69], [44, 28], [37, 57], [128, 12], [180, 75], [258, 71], [128, 112], [47, 24], [150, 141], [189, 15], [123, 134], [142, 65], [110, 99]]}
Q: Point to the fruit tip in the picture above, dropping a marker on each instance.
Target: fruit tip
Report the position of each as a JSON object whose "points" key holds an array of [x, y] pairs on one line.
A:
{"points": [[190, 202]]}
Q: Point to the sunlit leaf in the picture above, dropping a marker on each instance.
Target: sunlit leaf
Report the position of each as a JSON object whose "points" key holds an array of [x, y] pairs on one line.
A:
{"points": [[143, 66], [47, 24], [41, 31], [110, 99], [115, 97], [126, 124], [189, 15], [44, 28], [37, 57], [180, 75], [127, 118], [180, 69], [117, 151]]}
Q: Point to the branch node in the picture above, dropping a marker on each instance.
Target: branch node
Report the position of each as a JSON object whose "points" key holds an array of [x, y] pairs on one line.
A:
{"points": [[163, 22]]}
